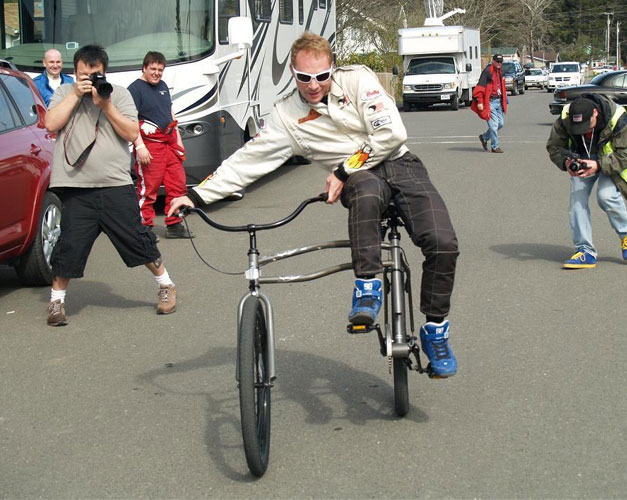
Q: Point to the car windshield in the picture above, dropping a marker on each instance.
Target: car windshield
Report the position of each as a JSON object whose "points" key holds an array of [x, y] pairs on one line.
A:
{"points": [[432, 66], [509, 68], [565, 68], [182, 31], [535, 71]]}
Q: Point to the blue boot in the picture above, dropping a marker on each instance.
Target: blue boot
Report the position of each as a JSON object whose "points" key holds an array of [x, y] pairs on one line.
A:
{"points": [[366, 302], [434, 340]]}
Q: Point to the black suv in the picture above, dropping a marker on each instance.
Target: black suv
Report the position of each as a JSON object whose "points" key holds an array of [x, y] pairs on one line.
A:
{"points": [[514, 77]]}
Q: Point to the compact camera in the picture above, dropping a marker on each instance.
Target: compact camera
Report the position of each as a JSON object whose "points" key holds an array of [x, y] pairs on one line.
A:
{"points": [[576, 164], [102, 86]]}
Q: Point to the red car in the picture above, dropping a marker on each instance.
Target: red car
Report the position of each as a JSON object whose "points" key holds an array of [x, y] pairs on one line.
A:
{"points": [[30, 214]]}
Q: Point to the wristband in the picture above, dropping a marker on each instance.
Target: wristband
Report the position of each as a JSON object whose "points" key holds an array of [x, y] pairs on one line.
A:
{"points": [[340, 173]]}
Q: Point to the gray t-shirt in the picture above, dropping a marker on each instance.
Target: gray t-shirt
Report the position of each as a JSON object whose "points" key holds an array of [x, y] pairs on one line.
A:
{"points": [[108, 163]]}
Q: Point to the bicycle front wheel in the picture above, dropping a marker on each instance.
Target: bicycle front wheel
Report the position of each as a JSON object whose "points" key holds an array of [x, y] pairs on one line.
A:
{"points": [[254, 386], [401, 393]]}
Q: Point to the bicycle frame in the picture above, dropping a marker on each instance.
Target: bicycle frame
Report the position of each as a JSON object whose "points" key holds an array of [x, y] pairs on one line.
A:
{"points": [[396, 274]]}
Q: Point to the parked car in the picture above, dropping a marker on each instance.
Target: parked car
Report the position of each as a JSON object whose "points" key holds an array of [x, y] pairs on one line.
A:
{"points": [[564, 74], [30, 214], [613, 84], [536, 77], [514, 77]]}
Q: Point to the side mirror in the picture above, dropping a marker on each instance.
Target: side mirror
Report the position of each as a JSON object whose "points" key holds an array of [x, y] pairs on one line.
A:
{"points": [[241, 32], [468, 67], [395, 70]]}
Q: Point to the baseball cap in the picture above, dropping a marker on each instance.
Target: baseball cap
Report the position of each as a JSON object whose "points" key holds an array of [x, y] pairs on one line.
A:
{"points": [[498, 58], [579, 115]]}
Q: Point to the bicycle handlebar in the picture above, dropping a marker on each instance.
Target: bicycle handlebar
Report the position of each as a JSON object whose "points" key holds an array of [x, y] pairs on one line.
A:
{"points": [[254, 227]]}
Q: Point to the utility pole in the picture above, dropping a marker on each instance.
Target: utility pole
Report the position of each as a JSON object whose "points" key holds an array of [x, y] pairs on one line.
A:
{"points": [[607, 38], [618, 59]]}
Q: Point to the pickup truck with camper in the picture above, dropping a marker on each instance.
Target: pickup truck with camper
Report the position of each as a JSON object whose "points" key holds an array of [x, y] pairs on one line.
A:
{"points": [[441, 64]]}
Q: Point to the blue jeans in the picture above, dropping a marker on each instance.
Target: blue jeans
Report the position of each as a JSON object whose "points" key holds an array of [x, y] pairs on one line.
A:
{"points": [[495, 123], [609, 199]]}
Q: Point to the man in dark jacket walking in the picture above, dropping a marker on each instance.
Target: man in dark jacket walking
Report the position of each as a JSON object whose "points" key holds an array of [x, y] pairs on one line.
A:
{"points": [[489, 101], [589, 142]]}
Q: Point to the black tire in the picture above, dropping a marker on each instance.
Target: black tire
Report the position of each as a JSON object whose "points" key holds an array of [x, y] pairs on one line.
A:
{"points": [[401, 394], [548, 90], [454, 103], [34, 266], [254, 388], [522, 90], [515, 89], [406, 107]]}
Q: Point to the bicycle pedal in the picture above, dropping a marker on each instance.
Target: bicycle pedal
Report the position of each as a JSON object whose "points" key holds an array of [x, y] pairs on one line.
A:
{"points": [[432, 375], [356, 329]]}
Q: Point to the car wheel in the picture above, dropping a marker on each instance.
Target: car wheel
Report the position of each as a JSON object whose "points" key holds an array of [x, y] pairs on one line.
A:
{"points": [[514, 89], [522, 89], [548, 89], [34, 267], [406, 107], [454, 103]]}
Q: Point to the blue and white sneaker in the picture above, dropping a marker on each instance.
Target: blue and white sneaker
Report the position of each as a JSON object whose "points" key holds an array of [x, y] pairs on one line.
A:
{"points": [[434, 340], [580, 260], [366, 302]]}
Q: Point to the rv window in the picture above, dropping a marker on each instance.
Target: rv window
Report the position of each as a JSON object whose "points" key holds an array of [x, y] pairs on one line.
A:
{"points": [[286, 11], [263, 10], [301, 12], [226, 10]]}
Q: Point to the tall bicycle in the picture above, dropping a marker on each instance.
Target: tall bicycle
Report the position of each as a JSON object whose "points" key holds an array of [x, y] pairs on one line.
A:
{"points": [[255, 368]]}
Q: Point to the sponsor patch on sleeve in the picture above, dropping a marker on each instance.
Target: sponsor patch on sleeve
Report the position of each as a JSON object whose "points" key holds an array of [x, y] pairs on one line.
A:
{"points": [[379, 122], [359, 158], [369, 95], [376, 107]]}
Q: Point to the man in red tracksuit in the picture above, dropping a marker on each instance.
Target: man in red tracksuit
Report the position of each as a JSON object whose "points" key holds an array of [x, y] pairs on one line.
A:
{"points": [[489, 101], [159, 151]]}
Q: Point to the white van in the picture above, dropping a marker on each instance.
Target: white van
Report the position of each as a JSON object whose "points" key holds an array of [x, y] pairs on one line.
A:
{"points": [[563, 74]]}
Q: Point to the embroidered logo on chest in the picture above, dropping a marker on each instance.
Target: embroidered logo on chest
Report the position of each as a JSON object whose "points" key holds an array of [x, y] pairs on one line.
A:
{"points": [[313, 114]]}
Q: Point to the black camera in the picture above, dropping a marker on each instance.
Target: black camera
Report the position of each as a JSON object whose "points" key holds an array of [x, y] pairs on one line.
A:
{"points": [[576, 165], [102, 86]]}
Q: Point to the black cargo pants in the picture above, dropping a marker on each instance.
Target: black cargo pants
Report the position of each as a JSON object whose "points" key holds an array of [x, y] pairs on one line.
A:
{"points": [[405, 180]]}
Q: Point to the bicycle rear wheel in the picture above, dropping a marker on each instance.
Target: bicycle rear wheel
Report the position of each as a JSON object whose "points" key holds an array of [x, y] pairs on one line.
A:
{"points": [[401, 393], [254, 386]]}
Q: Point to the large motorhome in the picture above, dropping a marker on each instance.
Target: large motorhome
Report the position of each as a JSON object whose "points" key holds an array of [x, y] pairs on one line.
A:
{"points": [[221, 92], [441, 64]]}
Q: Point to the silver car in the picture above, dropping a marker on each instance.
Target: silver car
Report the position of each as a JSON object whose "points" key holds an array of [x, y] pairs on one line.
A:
{"points": [[536, 77]]}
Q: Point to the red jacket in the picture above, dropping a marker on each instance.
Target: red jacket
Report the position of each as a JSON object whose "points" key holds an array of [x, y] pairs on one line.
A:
{"points": [[483, 91]]}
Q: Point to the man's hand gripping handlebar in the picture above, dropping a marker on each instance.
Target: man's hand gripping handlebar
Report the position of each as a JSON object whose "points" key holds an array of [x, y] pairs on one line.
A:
{"points": [[180, 206]]}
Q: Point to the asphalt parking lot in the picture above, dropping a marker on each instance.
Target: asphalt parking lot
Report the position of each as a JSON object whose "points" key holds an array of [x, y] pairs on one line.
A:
{"points": [[122, 403]]}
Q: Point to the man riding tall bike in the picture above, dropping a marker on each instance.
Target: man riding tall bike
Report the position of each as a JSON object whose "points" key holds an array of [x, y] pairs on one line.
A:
{"points": [[342, 119]]}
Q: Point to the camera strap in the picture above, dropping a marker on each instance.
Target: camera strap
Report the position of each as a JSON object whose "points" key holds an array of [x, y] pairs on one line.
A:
{"points": [[588, 148], [78, 142]]}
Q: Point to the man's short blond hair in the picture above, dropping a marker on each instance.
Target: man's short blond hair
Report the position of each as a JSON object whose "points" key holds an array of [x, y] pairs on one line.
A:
{"points": [[310, 42]]}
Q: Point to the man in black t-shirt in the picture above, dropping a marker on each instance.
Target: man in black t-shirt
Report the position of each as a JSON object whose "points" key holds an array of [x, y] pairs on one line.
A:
{"points": [[159, 151]]}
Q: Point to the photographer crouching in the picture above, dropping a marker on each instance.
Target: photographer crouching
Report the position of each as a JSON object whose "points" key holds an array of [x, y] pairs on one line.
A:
{"points": [[589, 142], [95, 122]]}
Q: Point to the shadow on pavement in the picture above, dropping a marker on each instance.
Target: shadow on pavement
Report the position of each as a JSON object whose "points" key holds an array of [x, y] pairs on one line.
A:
{"points": [[313, 382]]}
